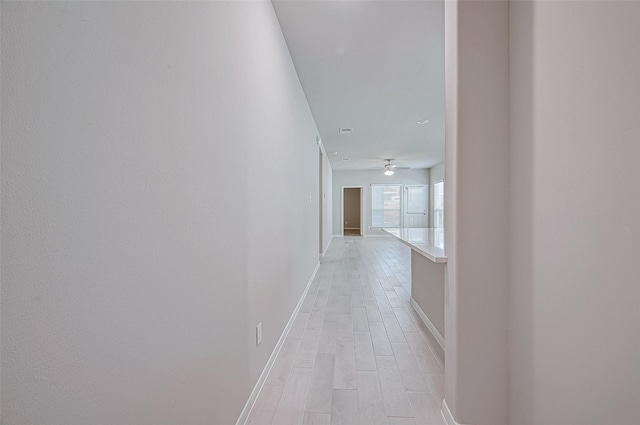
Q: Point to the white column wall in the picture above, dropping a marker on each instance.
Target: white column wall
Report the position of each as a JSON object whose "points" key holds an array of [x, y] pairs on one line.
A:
{"points": [[575, 212], [476, 211]]}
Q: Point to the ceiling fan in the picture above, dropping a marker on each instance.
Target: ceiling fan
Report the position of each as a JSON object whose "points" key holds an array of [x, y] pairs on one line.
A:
{"points": [[389, 167]]}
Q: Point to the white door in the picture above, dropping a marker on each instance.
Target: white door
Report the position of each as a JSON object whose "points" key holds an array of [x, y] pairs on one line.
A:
{"points": [[415, 211]]}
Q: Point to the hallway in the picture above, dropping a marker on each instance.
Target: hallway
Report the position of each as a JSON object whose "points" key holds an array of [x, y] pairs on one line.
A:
{"points": [[357, 353]]}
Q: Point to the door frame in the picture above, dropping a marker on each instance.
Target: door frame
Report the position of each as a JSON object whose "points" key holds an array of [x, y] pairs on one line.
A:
{"points": [[342, 188], [320, 203], [405, 202]]}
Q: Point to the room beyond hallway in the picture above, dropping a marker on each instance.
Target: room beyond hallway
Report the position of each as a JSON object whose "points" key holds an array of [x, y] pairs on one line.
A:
{"points": [[357, 353]]}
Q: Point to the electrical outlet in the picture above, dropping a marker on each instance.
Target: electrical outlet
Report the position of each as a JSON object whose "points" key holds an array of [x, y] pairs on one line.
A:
{"points": [[259, 334], [309, 198]]}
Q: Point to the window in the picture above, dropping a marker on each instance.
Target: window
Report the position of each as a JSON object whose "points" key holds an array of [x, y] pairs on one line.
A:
{"points": [[386, 205], [438, 204]]}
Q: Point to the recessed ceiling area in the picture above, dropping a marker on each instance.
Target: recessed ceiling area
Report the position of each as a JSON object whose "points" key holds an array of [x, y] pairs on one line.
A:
{"points": [[377, 68]]}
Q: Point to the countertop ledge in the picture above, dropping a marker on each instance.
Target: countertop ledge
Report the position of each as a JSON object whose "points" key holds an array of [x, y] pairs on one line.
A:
{"points": [[428, 242]]}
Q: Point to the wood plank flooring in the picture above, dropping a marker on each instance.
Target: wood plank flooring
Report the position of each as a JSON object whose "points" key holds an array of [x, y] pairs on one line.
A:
{"points": [[357, 354]]}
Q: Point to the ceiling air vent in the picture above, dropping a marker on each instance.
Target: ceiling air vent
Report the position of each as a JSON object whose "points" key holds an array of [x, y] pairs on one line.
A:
{"points": [[345, 130]]}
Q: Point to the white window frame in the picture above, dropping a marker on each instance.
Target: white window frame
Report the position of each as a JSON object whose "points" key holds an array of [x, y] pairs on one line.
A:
{"points": [[401, 201], [435, 215]]}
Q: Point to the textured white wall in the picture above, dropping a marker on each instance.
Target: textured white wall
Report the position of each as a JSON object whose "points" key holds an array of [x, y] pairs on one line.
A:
{"points": [[157, 164], [366, 179], [574, 295]]}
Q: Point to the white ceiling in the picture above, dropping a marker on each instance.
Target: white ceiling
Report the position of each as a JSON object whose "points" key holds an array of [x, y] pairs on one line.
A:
{"points": [[376, 67]]}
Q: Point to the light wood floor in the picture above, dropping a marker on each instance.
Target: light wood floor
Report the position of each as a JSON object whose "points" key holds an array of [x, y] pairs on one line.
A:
{"points": [[357, 353]]}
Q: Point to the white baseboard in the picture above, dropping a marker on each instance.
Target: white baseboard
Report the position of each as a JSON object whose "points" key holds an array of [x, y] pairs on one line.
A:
{"points": [[428, 323], [246, 411], [377, 236], [336, 236], [446, 414]]}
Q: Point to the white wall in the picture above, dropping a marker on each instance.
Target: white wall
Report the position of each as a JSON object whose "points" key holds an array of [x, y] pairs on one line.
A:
{"points": [[477, 211], [366, 179], [427, 288], [436, 174], [155, 158], [574, 295]]}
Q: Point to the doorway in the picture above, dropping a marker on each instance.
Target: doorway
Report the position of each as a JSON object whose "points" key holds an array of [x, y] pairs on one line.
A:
{"points": [[352, 211], [415, 206]]}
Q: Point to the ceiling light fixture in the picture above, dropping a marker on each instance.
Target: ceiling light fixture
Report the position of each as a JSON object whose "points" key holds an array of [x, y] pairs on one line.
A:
{"points": [[422, 122], [345, 130], [388, 168], [346, 159]]}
